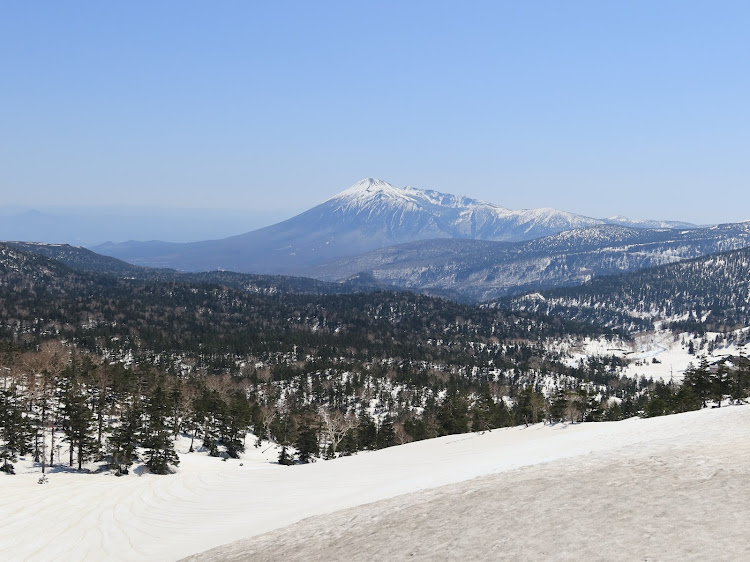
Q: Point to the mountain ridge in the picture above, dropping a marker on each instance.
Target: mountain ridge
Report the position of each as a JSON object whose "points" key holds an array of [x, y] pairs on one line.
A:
{"points": [[369, 215], [477, 270]]}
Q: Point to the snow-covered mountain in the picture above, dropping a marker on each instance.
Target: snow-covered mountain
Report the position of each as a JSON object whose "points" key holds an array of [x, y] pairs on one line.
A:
{"points": [[369, 215], [480, 270], [417, 214]]}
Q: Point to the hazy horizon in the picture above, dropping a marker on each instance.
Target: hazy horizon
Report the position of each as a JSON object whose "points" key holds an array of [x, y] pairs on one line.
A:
{"points": [[91, 225], [619, 108]]}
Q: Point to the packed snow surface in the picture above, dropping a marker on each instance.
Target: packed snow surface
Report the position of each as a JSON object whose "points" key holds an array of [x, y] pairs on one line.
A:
{"points": [[209, 502], [659, 499]]}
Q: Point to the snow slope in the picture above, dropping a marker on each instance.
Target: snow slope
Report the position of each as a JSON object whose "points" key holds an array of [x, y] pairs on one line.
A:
{"points": [[651, 500], [210, 503], [660, 354]]}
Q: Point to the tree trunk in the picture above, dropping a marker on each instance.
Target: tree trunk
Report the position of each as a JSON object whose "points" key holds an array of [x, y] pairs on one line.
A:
{"points": [[100, 426], [52, 448]]}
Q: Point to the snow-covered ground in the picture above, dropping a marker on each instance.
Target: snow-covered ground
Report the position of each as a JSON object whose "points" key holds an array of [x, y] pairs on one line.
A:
{"points": [[664, 498], [660, 354], [210, 502]]}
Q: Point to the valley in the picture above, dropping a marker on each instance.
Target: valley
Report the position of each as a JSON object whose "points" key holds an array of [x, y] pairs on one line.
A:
{"points": [[217, 391]]}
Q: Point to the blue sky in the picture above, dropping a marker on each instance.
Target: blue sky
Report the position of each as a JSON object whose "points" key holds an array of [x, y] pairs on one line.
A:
{"points": [[597, 107]]}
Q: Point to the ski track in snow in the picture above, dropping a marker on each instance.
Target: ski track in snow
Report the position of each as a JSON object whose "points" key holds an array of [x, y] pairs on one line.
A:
{"points": [[209, 503]]}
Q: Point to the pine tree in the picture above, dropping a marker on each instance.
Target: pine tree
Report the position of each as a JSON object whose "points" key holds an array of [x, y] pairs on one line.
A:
{"points": [[124, 440], [559, 405], [284, 457], [720, 382], [15, 428], [698, 379], [235, 423], [78, 423], [160, 453], [307, 443], [367, 431], [74, 413], [739, 379], [386, 433]]}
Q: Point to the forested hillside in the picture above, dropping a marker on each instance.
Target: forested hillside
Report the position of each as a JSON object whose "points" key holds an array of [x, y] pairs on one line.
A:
{"points": [[115, 367], [710, 293], [85, 260], [478, 271]]}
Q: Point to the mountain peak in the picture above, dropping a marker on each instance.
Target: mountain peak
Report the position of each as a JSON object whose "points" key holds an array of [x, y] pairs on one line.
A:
{"points": [[370, 184], [371, 189]]}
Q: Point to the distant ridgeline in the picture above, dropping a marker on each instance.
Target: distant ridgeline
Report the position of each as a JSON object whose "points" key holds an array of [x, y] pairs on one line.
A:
{"points": [[114, 360], [477, 270], [441, 244]]}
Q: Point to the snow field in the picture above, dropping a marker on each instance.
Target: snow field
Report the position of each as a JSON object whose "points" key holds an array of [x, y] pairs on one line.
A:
{"points": [[209, 502], [682, 498], [669, 350]]}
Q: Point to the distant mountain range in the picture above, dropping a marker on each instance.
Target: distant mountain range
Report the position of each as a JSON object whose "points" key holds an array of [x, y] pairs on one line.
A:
{"points": [[370, 215], [376, 236], [480, 270]]}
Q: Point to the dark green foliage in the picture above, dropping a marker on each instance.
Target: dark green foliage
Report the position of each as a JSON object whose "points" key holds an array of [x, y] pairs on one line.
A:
{"points": [[75, 415], [15, 428], [306, 443], [157, 434], [530, 407], [284, 457], [8, 459], [699, 380], [283, 428], [559, 405], [122, 444], [739, 380], [386, 434], [234, 422], [367, 432], [453, 415], [419, 429]]}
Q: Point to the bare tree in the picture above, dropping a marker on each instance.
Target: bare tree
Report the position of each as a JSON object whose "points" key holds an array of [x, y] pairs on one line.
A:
{"points": [[43, 368], [336, 425]]}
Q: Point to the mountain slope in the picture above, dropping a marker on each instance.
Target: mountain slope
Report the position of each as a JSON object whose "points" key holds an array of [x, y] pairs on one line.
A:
{"points": [[369, 215], [481, 270], [706, 293]]}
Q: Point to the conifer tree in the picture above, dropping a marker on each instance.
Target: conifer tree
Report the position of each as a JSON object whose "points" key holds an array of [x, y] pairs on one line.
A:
{"points": [[160, 453], [284, 457], [698, 379], [15, 429], [124, 440], [307, 443], [78, 422], [367, 431], [740, 379], [386, 433]]}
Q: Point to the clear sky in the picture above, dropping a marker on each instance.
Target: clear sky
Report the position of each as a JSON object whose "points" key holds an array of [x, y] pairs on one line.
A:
{"points": [[598, 107]]}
